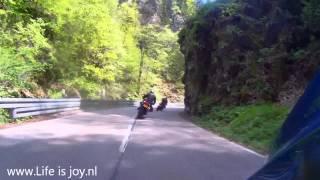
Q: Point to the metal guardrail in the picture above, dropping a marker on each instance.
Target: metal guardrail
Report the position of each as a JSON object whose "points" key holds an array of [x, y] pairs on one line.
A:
{"points": [[105, 103], [23, 107]]}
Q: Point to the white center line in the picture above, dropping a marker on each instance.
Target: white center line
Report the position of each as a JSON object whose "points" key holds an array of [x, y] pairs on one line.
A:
{"points": [[126, 138]]}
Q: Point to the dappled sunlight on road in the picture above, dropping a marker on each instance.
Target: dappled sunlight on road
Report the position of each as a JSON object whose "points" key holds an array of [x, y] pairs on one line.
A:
{"points": [[80, 125], [82, 140], [165, 145], [161, 146]]}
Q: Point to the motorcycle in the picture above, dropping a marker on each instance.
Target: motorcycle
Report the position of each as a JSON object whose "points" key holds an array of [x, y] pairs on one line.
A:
{"points": [[162, 105], [143, 108]]}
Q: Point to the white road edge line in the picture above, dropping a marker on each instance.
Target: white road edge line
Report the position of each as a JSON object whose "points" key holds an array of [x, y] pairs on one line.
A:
{"points": [[240, 146], [235, 144], [126, 138], [248, 150]]}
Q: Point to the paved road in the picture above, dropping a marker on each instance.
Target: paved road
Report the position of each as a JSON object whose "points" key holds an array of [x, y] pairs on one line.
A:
{"points": [[107, 145]]}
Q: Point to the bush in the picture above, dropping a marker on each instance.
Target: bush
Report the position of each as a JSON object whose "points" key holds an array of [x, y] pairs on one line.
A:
{"points": [[4, 116], [13, 74], [55, 94], [25, 55]]}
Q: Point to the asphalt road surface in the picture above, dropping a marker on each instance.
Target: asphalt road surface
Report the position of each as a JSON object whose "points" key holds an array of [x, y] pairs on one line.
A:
{"points": [[111, 145]]}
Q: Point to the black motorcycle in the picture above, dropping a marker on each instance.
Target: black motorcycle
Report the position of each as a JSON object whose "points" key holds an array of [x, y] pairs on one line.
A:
{"points": [[143, 108], [162, 105]]}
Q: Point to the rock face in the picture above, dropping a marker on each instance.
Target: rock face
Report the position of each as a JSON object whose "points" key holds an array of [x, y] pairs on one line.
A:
{"points": [[150, 11], [160, 12], [258, 51]]}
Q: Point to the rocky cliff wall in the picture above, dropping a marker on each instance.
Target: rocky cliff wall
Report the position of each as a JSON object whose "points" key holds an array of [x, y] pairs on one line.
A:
{"points": [[246, 52], [163, 12]]}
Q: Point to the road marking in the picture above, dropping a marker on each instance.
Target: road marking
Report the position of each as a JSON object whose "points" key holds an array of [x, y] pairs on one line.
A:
{"points": [[126, 138], [247, 149], [235, 144], [123, 147]]}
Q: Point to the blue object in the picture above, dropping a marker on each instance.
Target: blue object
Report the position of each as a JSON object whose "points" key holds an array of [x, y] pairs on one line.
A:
{"points": [[297, 149]]}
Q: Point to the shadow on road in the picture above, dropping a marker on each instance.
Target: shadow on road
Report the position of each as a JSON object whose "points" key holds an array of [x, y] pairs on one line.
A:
{"points": [[163, 146]]}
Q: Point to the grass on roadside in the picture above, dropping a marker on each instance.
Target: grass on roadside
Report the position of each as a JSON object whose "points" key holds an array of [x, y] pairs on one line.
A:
{"points": [[253, 125]]}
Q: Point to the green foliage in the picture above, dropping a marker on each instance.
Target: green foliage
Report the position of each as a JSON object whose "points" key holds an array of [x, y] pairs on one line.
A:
{"points": [[55, 94], [25, 54], [186, 8], [12, 73], [4, 116], [169, 8], [91, 46], [311, 14], [266, 52], [199, 21], [298, 55], [105, 45], [233, 122], [205, 104], [163, 59]]}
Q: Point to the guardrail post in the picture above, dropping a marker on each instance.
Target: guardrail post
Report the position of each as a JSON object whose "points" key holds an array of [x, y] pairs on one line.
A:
{"points": [[12, 114]]}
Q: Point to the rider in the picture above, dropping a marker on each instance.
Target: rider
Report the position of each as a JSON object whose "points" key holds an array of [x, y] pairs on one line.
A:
{"points": [[164, 101], [163, 104], [151, 97]]}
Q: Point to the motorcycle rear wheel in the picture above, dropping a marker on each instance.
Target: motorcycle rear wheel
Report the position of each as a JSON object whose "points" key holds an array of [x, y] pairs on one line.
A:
{"points": [[141, 113]]}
